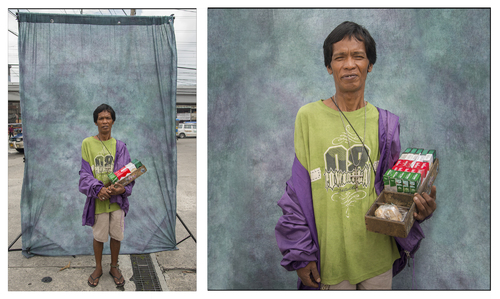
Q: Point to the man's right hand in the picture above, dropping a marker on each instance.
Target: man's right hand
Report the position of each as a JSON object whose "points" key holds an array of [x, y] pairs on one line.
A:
{"points": [[103, 194], [305, 275]]}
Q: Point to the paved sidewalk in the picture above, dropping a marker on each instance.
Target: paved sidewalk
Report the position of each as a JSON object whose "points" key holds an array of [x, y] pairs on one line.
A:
{"points": [[176, 270]]}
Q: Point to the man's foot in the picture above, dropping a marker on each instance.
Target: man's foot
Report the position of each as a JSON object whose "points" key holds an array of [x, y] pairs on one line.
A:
{"points": [[93, 280], [117, 275]]}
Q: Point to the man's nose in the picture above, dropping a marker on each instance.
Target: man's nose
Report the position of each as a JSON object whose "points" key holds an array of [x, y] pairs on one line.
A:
{"points": [[349, 62]]}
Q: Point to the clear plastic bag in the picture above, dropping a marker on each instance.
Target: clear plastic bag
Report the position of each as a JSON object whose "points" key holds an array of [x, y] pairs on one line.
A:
{"points": [[390, 212]]}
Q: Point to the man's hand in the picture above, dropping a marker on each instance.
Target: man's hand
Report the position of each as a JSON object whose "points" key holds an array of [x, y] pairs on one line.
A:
{"points": [[116, 189], [426, 204], [305, 275], [103, 194]]}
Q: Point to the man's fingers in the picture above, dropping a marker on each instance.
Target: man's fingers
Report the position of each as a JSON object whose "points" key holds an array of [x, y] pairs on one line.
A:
{"points": [[425, 203], [433, 192], [309, 275], [315, 274]]}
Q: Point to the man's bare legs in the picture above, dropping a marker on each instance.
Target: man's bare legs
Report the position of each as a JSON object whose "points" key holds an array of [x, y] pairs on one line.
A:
{"points": [[114, 246], [98, 263]]}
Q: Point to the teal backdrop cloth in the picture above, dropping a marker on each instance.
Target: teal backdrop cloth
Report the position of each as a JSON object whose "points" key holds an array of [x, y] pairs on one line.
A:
{"points": [[433, 71], [69, 65]]}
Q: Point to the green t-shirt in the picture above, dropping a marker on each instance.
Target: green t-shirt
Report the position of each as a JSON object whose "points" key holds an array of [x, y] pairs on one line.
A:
{"points": [[102, 163], [348, 251]]}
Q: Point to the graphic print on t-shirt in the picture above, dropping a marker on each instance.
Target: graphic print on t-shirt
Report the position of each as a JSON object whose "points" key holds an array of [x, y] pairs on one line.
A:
{"points": [[347, 170], [103, 165]]}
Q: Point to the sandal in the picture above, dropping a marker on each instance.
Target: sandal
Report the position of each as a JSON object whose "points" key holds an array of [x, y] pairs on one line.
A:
{"points": [[117, 278], [93, 280]]}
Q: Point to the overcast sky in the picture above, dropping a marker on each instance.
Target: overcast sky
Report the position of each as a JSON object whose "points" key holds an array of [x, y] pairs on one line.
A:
{"points": [[185, 34]]}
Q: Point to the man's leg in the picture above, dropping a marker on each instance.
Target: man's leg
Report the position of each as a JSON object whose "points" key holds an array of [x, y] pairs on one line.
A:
{"points": [[114, 245], [116, 233], [379, 282], [101, 232], [98, 246]]}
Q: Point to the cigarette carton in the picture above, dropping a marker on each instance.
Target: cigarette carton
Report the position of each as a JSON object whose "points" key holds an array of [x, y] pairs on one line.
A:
{"points": [[424, 167], [406, 153], [430, 157], [419, 156], [406, 182], [398, 178], [414, 181], [386, 178], [392, 182]]}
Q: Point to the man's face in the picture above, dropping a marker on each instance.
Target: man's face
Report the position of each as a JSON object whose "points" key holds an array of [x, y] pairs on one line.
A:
{"points": [[104, 122], [349, 65]]}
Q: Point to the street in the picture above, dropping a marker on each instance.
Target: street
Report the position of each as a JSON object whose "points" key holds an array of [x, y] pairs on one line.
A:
{"points": [[176, 270]]}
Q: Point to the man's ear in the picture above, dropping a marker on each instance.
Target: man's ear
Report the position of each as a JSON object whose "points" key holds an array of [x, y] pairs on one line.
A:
{"points": [[329, 69], [370, 67]]}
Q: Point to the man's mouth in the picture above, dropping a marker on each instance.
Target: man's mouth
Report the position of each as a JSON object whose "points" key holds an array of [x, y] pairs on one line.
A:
{"points": [[350, 76]]}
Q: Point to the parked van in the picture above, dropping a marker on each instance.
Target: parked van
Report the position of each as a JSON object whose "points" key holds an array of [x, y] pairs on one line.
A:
{"points": [[16, 141], [187, 129]]}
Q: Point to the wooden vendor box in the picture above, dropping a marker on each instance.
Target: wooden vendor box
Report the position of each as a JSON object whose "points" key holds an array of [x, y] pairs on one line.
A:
{"points": [[405, 204], [131, 177]]}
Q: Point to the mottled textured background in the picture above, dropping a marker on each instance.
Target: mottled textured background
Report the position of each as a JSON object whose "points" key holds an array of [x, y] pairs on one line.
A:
{"points": [[68, 68], [433, 70]]}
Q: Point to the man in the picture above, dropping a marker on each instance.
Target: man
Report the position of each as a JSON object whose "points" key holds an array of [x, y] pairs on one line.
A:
{"points": [[105, 207], [11, 131], [339, 144]]}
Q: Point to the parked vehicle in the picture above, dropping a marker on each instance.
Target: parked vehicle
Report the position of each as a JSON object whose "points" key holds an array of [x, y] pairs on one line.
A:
{"points": [[16, 142], [187, 129]]}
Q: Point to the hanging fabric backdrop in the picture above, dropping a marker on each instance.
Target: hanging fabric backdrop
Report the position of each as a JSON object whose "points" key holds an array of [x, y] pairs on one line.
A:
{"points": [[432, 70], [69, 65]]}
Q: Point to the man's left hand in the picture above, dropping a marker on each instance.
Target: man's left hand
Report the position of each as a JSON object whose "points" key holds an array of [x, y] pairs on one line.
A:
{"points": [[426, 204], [116, 189]]}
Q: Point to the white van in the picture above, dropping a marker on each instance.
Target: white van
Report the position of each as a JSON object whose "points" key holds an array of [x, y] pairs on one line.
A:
{"points": [[187, 129]]}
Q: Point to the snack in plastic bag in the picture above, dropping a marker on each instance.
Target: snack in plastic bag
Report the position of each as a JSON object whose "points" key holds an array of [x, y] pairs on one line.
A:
{"points": [[389, 211]]}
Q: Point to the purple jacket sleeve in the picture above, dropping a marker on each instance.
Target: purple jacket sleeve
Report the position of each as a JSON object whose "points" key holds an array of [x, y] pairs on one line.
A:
{"points": [[88, 185], [295, 231]]}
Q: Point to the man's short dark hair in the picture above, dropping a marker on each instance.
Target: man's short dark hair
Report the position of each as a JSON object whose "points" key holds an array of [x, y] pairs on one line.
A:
{"points": [[104, 107], [350, 29]]}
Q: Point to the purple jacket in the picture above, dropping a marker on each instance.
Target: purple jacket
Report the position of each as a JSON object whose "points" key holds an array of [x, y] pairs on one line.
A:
{"points": [[90, 186], [296, 232]]}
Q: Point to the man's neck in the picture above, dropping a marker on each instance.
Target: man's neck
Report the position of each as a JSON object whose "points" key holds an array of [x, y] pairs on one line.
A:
{"points": [[103, 137], [346, 102]]}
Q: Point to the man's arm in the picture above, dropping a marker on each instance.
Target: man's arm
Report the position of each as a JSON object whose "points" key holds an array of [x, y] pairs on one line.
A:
{"points": [[295, 241], [295, 231], [88, 185]]}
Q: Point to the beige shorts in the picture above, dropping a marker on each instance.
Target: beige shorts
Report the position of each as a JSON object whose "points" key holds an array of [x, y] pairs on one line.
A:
{"points": [[379, 282], [109, 224]]}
